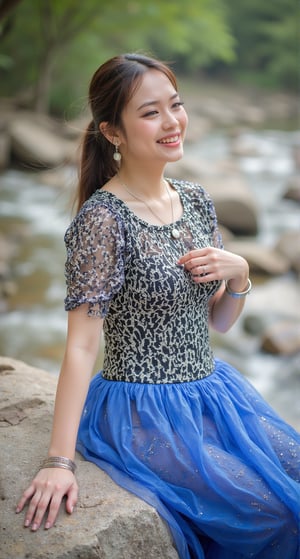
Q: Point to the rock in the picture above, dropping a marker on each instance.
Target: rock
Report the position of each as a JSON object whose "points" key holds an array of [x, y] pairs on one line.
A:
{"points": [[7, 249], [8, 287], [255, 324], [4, 150], [282, 107], [235, 205], [252, 115], [197, 128], [261, 259], [108, 522], [64, 177], [293, 189], [244, 146], [289, 246], [274, 298], [220, 113], [282, 338], [296, 154], [35, 142]]}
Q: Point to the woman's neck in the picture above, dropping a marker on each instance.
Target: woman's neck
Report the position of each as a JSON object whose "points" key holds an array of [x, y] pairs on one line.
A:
{"points": [[145, 183]]}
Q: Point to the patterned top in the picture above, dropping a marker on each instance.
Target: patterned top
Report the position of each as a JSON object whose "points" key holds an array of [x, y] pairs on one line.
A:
{"points": [[155, 316]]}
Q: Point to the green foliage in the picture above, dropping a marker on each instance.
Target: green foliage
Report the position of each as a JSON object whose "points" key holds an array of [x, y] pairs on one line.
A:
{"points": [[50, 48], [267, 35], [55, 45]]}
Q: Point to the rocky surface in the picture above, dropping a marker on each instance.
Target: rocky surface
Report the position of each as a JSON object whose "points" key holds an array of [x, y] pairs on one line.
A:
{"points": [[108, 522], [32, 142]]}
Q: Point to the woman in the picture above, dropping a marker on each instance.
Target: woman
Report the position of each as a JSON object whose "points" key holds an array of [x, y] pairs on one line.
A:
{"points": [[145, 261]]}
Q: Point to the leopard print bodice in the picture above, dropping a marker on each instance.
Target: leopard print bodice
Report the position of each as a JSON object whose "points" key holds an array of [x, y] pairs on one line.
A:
{"points": [[155, 316]]}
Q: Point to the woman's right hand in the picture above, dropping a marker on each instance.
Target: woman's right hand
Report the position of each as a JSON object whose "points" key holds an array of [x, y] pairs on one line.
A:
{"points": [[45, 495]]}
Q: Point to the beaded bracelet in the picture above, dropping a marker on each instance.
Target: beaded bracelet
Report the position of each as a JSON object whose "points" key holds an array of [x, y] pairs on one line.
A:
{"points": [[238, 294], [59, 462]]}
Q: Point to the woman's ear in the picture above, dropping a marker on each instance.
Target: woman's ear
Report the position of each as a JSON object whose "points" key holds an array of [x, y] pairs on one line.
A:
{"points": [[105, 130], [108, 133]]}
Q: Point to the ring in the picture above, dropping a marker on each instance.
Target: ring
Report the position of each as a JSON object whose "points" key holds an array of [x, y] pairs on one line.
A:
{"points": [[203, 268]]}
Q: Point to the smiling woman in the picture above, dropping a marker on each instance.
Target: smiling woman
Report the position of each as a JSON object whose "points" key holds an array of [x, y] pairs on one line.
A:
{"points": [[164, 418]]}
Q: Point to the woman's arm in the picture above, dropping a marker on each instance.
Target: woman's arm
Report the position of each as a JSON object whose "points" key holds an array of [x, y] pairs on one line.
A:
{"points": [[209, 264], [50, 485]]}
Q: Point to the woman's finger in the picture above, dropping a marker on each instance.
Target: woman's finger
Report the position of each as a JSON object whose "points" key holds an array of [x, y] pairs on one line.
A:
{"points": [[191, 255], [32, 507], [26, 495], [54, 507], [72, 498], [51, 498]]}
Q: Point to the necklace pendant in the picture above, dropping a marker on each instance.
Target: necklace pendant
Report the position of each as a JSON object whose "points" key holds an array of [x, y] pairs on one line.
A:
{"points": [[175, 233]]}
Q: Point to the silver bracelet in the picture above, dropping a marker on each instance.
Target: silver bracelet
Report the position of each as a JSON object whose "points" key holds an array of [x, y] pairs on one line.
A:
{"points": [[59, 462], [238, 294]]}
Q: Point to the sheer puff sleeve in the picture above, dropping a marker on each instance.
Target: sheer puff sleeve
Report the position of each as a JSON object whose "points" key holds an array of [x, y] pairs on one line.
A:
{"points": [[94, 268]]}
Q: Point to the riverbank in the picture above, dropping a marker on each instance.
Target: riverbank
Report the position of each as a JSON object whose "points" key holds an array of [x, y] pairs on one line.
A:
{"points": [[40, 141]]}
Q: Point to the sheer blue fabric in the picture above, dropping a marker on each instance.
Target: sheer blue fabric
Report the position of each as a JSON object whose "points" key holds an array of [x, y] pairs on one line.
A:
{"points": [[165, 419], [211, 456]]}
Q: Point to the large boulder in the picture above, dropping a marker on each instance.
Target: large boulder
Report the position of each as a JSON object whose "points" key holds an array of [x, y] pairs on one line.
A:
{"points": [[4, 150], [261, 259], [108, 522], [288, 245], [293, 189], [282, 337], [35, 141], [235, 205]]}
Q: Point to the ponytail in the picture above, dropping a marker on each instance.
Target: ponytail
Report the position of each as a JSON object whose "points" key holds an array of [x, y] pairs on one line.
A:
{"points": [[97, 164]]}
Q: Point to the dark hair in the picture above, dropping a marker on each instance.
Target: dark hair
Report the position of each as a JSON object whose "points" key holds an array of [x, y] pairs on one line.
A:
{"points": [[111, 88]]}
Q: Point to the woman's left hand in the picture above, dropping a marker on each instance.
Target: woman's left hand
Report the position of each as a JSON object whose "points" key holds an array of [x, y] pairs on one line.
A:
{"points": [[210, 263]]}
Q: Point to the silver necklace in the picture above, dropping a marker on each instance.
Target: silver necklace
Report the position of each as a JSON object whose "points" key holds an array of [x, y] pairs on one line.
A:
{"points": [[174, 232]]}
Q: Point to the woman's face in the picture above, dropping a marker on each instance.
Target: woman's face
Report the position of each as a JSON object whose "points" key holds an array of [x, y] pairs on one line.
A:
{"points": [[154, 122]]}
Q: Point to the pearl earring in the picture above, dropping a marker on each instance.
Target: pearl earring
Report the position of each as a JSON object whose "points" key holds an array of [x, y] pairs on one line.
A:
{"points": [[117, 156]]}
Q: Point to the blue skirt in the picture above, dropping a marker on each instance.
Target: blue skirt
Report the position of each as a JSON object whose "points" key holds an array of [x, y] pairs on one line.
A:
{"points": [[213, 458]]}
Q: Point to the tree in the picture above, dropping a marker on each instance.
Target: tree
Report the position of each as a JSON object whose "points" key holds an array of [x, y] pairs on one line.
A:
{"points": [[48, 33], [267, 36], [6, 6]]}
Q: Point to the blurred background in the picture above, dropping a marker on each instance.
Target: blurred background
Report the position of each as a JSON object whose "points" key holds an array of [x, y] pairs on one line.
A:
{"points": [[237, 63]]}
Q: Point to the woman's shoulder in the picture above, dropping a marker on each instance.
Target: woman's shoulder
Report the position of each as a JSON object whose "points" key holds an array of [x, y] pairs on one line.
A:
{"points": [[99, 211], [100, 200], [99, 205]]}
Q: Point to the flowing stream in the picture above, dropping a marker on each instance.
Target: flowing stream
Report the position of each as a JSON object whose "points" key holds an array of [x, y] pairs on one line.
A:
{"points": [[35, 217]]}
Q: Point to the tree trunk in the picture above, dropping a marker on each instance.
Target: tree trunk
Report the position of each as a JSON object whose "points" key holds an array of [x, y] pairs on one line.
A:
{"points": [[43, 84], [6, 6]]}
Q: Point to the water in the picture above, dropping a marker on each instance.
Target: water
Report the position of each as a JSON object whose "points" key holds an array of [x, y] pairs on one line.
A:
{"points": [[35, 217], [267, 172]]}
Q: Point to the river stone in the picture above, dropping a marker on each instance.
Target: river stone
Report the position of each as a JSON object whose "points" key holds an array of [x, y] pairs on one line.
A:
{"points": [[33, 143], [244, 146], [282, 338], [235, 205], [261, 259], [289, 245], [108, 522], [4, 150], [293, 189]]}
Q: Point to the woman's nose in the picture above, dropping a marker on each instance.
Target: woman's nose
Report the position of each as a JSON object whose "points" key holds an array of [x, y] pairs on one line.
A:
{"points": [[170, 120]]}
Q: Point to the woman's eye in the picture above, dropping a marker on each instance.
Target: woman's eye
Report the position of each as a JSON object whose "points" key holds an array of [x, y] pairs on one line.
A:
{"points": [[178, 104], [150, 113], [155, 112]]}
